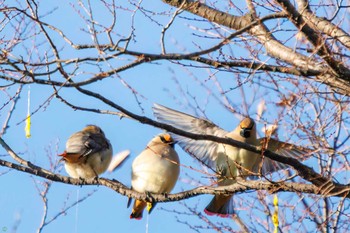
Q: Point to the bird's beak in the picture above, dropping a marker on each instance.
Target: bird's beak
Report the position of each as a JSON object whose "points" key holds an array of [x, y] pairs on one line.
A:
{"points": [[245, 133]]}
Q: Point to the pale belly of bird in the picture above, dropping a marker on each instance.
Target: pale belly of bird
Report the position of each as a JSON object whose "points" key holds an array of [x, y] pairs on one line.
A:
{"points": [[159, 178], [233, 163], [79, 170], [99, 162]]}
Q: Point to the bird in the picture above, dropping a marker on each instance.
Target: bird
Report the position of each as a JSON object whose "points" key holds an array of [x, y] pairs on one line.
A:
{"points": [[230, 163], [88, 153], [155, 170]]}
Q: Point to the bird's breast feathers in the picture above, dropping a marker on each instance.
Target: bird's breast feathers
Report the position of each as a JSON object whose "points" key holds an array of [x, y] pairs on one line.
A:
{"points": [[233, 161], [156, 173]]}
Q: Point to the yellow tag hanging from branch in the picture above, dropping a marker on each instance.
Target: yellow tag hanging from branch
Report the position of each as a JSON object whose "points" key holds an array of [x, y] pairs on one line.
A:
{"points": [[275, 214], [28, 120]]}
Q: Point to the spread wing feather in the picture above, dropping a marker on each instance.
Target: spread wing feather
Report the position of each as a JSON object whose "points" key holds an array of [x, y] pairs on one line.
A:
{"points": [[281, 148], [205, 151]]}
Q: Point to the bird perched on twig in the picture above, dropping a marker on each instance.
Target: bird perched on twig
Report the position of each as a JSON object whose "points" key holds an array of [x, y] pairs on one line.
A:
{"points": [[88, 153], [229, 162], [155, 170]]}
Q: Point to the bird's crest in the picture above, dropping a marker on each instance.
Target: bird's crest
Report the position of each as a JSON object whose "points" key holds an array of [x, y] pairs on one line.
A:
{"points": [[247, 123], [93, 129]]}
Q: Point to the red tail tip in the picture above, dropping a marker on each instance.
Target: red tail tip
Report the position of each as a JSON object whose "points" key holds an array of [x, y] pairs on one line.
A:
{"points": [[209, 213], [138, 218], [217, 214]]}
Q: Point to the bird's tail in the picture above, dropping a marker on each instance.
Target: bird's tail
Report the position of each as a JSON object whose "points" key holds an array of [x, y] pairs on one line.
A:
{"points": [[221, 205], [137, 209], [70, 157]]}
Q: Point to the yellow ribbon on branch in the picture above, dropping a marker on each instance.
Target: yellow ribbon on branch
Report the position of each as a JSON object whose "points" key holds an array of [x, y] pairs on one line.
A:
{"points": [[275, 214]]}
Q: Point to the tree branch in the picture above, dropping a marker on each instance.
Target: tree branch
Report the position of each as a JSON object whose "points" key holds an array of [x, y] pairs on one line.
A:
{"points": [[316, 39], [240, 186], [339, 83], [323, 25]]}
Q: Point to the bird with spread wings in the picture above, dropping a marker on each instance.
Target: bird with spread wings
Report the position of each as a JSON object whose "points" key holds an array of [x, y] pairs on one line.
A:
{"points": [[231, 163]]}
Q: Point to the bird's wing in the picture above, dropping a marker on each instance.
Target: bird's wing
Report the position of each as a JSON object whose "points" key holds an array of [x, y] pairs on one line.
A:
{"points": [[200, 149], [95, 143], [84, 144], [281, 148]]}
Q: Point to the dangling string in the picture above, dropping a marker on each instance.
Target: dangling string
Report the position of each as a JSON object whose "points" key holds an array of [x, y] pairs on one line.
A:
{"points": [[147, 221], [77, 211], [28, 122]]}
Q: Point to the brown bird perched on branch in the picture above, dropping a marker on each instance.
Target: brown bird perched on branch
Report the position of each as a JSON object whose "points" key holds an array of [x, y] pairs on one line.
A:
{"points": [[88, 153], [230, 162], [155, 170]]}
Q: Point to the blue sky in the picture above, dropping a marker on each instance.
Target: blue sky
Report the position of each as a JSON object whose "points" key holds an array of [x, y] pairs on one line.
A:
{"points": [[179, 87], [53, 123]]}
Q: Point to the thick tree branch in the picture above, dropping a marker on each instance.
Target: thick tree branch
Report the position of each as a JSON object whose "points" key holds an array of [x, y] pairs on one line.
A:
{"points": [[316, 39], [323, 25], [339, 83], [273, 47], [240, 186]]}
